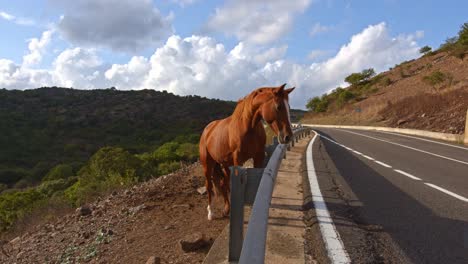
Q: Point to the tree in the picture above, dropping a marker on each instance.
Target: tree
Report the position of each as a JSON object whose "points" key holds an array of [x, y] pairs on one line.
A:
{"points": [[463, 34], [360, 77], [425, 49]]}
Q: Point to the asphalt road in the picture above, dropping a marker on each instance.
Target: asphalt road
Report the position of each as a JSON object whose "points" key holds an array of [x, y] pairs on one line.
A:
{"points": [[395, 198]]}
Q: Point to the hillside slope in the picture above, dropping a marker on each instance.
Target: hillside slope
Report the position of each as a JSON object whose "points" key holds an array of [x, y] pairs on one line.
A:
{"points": [[429, 93], [48, 126]]}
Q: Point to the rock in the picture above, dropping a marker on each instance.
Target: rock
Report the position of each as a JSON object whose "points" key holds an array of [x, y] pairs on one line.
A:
{"points": [[201, 190], [401, 121], [153, 260], [168, 227], [136, 209], [15, 242], [83, 210], [193, 242], [423, 115]]}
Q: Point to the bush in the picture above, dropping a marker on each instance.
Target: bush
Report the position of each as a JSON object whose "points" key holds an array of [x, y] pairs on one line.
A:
{"points": [[15, 205], [344, 97], [107, 169], [166, 152], [317, 104], [168, 167], [435, 78], [425, 49], [61, 171], [187, 152]]}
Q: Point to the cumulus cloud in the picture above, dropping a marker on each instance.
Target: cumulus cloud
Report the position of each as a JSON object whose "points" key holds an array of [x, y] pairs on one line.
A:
{"points": [[127, 25], [200, 65], [37, 48], [318, 54], [256, 21], [79, 68]]}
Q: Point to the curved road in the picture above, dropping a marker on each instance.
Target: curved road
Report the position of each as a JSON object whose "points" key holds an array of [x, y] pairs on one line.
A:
{"points": [[395, 198]]}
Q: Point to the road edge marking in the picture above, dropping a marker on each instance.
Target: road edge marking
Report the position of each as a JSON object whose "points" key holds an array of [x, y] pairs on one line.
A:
{"points": [[333, 243], [404, 146], [423, 139], [459, 197], [408, 175]]}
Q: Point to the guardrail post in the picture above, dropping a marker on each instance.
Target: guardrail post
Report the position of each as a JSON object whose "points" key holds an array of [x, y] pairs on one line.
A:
{"points": [[236, 217]]}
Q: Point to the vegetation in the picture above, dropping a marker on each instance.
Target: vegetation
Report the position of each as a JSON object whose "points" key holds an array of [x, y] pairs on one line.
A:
{"points": [[360, 77], [457, 46], [362, 84], [66, 146], [435, 78], [425, 49]]}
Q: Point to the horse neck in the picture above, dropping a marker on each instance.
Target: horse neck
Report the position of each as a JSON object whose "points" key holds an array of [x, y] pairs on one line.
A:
{"points": [[248, 116]]}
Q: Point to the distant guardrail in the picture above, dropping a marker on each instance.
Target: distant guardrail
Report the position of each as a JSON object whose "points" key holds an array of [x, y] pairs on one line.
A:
{"points": [[255, 186]]}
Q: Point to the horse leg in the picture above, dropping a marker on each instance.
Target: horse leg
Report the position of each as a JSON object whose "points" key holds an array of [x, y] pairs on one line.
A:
{"points": [[259, 159], [226, 189], [208, 170]]}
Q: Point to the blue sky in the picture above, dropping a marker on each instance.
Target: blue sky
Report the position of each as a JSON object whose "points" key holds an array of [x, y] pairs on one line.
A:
{"points": [[220, 49]]}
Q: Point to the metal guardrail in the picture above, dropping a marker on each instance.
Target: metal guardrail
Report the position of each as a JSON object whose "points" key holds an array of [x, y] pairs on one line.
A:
{"points": [[255, 186]]}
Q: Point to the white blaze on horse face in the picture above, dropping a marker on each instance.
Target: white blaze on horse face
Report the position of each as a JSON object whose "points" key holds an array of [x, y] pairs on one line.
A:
{"points": [[210, 213]]}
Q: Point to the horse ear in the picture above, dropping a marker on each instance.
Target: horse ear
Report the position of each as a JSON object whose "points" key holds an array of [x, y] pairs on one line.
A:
{"points": [[289, 90], [280, 89]]}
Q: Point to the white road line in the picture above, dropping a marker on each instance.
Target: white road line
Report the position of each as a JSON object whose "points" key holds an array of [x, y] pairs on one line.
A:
{"points": [[404, 146], [335, 248], [408, 175], [383, 164], [447, 192], [428, 140], [357, 152], [367, 157]]}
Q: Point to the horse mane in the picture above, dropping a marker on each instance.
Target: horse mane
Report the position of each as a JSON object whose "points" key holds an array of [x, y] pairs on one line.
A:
{"points": [[243, 110]]}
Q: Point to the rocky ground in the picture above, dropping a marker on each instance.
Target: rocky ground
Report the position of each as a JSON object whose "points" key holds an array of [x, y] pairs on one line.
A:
{"points": [[159, 221]]}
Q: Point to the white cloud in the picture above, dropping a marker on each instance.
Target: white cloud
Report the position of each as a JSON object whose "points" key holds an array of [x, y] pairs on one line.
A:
{"points": [[6, 16], [319, 28], [79, 68], [130, 75], [129, 25], [256, 21], [200, 65], [17, 20], [37, 48]]}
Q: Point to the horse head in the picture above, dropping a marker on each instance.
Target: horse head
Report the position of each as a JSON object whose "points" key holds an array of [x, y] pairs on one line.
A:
{"points": [[275, 111]]}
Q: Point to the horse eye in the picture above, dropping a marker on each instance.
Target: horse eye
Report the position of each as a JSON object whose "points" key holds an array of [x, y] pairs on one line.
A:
{"points": [[278, 107]]}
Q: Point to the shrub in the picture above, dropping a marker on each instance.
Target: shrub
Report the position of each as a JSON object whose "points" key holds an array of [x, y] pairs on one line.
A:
{"points": [[107, 169], [168, 167], [435, 78], [187, 151], [61, 171], [166, 152], [344, 97], [387, 81], [425, 49], [15, 205]]}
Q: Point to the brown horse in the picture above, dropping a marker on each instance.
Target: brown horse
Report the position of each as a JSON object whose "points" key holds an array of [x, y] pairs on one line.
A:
{"points": [[241, 136]]}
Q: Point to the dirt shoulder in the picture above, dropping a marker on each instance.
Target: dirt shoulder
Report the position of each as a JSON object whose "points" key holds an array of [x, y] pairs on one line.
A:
{"points": [[129, 226]]}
